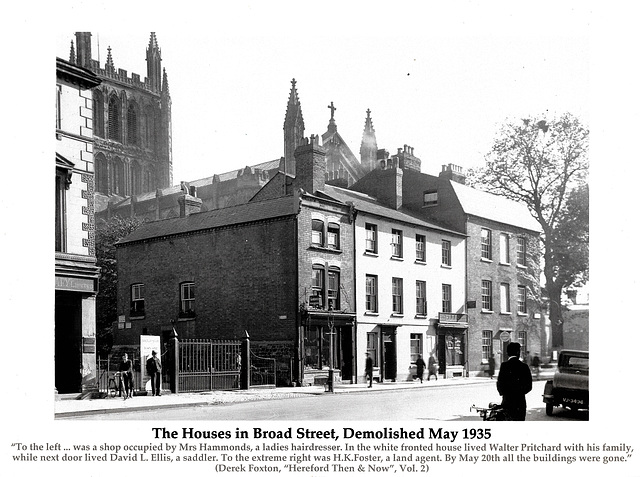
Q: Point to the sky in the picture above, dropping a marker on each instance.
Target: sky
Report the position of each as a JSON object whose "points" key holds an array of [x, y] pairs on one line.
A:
{"points": [[440, 84]]}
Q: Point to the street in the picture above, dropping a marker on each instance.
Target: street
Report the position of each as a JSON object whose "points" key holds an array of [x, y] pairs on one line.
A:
{"points": [[450, 403]]}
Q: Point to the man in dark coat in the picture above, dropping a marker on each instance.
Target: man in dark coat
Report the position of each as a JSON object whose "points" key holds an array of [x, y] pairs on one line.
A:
{"points": [[153, 370], [368, 369], [514, 381], [420, 365]]}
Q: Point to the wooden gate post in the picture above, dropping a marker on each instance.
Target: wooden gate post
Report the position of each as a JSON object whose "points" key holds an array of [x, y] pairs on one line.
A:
{"points": [[245, 367]]}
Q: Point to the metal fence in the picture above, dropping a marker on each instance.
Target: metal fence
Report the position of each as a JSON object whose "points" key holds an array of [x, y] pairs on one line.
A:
{"points": [[263, 371], [109, 381], [206, 365]]}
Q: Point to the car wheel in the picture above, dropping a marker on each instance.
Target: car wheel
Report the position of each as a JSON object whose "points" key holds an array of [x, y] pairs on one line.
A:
{"points": [[549, 409]]}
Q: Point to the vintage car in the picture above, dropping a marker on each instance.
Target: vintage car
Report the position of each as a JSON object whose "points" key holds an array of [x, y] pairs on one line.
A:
{"points": [[569, 387]]}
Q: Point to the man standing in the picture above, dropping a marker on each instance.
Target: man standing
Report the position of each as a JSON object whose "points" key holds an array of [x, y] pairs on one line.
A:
{"points": [[514, 381], [433, 367], [153, 370], [368, 369], [420, 365]]}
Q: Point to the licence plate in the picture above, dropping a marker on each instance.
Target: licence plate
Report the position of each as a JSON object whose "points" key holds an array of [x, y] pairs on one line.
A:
{"points": [[572, 401]]}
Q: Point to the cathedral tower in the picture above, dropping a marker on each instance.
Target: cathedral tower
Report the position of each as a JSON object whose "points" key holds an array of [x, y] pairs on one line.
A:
{"points": [[369, 146], [293, 129]]}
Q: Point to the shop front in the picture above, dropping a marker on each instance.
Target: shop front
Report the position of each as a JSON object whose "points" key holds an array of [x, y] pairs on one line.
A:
{"points": [[452, 344], [328, 343]]}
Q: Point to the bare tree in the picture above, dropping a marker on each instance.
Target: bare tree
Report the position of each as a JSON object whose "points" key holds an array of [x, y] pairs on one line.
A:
{"points": [[541, 162]]}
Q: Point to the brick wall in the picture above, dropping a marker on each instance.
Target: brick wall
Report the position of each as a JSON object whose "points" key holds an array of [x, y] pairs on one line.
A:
{"points": [[244, 280]]}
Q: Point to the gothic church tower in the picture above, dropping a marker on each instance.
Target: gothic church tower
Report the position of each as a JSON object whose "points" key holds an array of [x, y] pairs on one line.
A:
{"points": [[369, 146], [131, 124], [293, 129]]}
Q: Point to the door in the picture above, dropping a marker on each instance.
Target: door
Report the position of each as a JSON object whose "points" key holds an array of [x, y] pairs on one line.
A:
{"points": [[389, 354]]}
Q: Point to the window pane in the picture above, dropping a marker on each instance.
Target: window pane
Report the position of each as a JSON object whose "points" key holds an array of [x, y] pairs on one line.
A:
{"points": [[504, 248], [421, 297], [487, 301], [485, 240], [371, 240], [505, 298], [317, 228], [396, 243], [521, 256], [446, 298], [446, 252]]}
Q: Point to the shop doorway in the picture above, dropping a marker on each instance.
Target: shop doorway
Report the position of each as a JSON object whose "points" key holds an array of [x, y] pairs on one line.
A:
{"points": [[68, 342], [389, 355]]}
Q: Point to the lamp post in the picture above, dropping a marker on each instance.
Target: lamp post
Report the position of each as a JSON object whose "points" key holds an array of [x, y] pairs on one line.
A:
{"points": [[331, 334]]}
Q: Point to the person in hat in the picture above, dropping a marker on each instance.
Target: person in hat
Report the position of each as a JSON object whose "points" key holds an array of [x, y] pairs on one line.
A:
{"points": [[514, 381], [153, 370], [126, 374]]}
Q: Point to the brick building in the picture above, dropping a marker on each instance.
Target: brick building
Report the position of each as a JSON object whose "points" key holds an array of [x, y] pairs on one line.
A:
{"points": [[279, 267], [76, 274], [502, 261]]}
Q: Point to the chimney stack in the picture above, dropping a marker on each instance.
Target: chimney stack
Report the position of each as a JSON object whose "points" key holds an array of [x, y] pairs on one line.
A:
{"points": [[311, 165], [453, 173], [188, 202]]}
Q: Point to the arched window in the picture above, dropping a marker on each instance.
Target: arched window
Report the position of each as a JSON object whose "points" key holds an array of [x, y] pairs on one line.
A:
{"points": [[149, 129], [102, 179], [114, 119], [117, 177], [132, 124], [149, 179], [136, 178], [98, 113]]}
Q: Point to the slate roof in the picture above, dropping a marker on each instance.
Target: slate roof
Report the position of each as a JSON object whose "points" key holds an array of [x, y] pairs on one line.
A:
{"points": [[494, 207], [371, 205], [243, 213]]}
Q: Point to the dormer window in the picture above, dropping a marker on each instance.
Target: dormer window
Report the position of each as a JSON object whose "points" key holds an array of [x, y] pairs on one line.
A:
{"points": [[430, 198]]}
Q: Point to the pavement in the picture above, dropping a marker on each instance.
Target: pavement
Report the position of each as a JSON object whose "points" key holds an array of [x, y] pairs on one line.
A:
{"points": [[69, 405]]}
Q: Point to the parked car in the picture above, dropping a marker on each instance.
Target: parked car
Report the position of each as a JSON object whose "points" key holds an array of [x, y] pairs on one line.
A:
{"points": [[569, 387]]}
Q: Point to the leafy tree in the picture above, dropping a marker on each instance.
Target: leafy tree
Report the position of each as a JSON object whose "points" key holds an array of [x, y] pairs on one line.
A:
{"points": [[544, 164], [107, 235]]}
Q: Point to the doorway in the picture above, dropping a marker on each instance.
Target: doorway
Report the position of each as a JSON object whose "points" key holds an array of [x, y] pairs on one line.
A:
{"points": [[389, 358]]}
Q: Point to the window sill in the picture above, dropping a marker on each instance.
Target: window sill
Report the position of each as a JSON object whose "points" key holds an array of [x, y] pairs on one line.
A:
{"points": [[505, 264], [420, 262], [449, 267], [487, 312], [505, 313], [370, 254], [187, 318], [325, 249], [486, 260], [371, 313], [397, 315], [136, 317], [521, 267], [421, 317], [522, 314], [397, 259]]}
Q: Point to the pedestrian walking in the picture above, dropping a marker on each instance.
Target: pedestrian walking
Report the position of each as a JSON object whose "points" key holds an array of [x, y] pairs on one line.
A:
{"points": [[492, 366], [514, 382], [126, 375], [154, 368], [433, 367], [420, 365], [368, 370], [535, 363]]}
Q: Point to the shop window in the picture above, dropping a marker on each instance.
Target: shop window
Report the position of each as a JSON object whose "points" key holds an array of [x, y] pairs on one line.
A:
{"points": [[415, 345]]}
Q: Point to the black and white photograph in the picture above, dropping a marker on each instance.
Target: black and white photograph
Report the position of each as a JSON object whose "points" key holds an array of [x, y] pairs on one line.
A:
{"points": [[342, 238]]}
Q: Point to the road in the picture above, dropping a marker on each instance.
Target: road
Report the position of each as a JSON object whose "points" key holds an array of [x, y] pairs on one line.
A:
{"points": [[450, 403]]}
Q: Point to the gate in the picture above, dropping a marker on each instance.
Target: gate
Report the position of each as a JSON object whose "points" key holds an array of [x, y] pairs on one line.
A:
{"points": [[207, 365], [263, 371]]}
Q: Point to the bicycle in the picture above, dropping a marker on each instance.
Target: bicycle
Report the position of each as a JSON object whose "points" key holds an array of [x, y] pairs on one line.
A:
{"points": [[114, 386]]}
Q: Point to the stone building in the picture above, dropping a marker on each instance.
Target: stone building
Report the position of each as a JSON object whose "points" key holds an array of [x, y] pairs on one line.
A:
{"points": [[240, 185], [76, 274], [502, 261], [131, 124]]}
